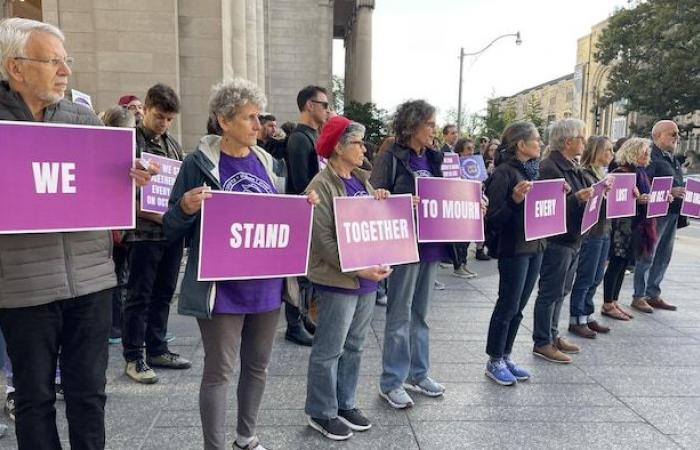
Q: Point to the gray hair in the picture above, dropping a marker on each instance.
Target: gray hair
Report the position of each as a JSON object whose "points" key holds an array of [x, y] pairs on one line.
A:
{"points": [[120, 117], [631, 150], [563, 130], [409, 115], [230, 95], [352, 132], [658, 126], [14, 34]]}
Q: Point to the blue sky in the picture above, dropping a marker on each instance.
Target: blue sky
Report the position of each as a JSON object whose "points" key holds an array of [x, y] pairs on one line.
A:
{"points": [[416, 47]]}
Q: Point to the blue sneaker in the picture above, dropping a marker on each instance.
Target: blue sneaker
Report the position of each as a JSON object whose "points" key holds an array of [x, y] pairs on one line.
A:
{"points": [[519, 373], [498, 372]]}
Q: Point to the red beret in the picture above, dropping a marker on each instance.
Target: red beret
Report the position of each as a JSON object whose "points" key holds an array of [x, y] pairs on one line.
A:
{"points": [[331, 132], [126, 99]]}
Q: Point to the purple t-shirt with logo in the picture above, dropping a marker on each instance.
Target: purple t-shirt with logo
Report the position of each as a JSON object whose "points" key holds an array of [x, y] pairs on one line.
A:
{"points": [[428, 252], [246, 174], [353, 188]]}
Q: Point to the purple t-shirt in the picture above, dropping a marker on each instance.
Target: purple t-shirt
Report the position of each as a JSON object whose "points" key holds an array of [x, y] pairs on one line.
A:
{"points": [[246, 174], [427, 252], [353, 188]]}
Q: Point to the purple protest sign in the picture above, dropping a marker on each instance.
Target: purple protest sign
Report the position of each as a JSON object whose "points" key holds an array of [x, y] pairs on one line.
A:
{"points": [[691, 201], [155, 195], [658, 196], [246, 236], [620, 201], [592, 212], [450, 165], [372, 232], [473, 168], [66, 178], [449, 210], [545, 209]]}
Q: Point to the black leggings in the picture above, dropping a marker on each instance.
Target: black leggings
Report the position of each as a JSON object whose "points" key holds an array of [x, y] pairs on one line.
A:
{"points": [[614, 276]]}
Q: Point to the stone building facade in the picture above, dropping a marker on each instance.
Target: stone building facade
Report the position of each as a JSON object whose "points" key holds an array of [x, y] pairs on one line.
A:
{"points": [[555, 97], [125, 46]]}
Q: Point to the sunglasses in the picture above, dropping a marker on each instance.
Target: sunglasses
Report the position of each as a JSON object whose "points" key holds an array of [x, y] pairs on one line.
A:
{"points": [[324, 104]]}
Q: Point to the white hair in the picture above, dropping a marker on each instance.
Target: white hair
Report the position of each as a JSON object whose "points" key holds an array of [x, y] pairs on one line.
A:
{"points": [[658, 126], [14, 34], [230, 95], [562, 130]]}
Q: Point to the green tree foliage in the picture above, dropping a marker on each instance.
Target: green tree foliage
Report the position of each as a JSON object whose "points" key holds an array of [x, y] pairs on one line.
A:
{"points": [[338, 94], [533, 113], [497, 117], [373, 118], [472, 123], [653, 51]]}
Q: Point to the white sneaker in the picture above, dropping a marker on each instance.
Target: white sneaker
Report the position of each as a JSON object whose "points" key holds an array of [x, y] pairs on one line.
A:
{"points": [[439, 286], [397, 398]]}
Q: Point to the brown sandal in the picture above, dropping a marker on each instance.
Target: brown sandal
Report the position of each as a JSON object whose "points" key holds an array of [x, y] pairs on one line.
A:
{"points": [[613, 312]]}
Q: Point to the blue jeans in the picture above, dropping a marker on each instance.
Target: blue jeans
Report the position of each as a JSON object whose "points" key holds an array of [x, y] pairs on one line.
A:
{"points": [[556, 280], [650, 271], [334, 364], [517, 276], [407, 334], [591, 268]]}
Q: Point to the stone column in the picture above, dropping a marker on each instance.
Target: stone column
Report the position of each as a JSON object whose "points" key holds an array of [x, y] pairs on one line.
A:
{"points": [[238, 42], [349, 65], [251, 13], [362, 52], [261, 44]]}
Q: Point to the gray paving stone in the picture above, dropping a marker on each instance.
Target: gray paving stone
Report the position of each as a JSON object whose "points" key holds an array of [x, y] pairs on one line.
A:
{"points": [[647, 381], [671, 415], [687, 441]]}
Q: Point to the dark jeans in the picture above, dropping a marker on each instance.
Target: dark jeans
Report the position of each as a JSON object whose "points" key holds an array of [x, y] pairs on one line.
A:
{"points": [[121, 268], [79, 327], [459, 254], [517, 276], [556, 280], [589, 274], [153, 270], [614, 276]]}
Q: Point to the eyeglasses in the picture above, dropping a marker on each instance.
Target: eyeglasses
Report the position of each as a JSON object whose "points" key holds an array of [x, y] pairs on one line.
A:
{"points": [[362, 143], [56, 62], [324, 104]]}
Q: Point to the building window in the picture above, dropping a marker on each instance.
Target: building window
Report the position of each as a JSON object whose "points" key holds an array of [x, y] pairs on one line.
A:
{"points": [[28, 9], [567, 115]]}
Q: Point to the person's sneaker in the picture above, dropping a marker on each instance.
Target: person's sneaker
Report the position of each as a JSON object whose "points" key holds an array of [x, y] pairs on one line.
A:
{"points": [[169, 360], [582, 331], [397, 398], [140, 372], [518, 372], [334, 429], [10, 406], [252, 445], [59, 391], [552, 354], [640, 304], [427, 386], [439, 286], [115, 340], [499, 373], [481, 255], [566, 346], [355, 419], [463, 272], [471, 273], [382, 301], [598, 328]]}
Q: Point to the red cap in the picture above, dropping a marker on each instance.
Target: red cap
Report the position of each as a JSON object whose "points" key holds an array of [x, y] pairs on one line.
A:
{"points": [[330, 135], [124, 100]]}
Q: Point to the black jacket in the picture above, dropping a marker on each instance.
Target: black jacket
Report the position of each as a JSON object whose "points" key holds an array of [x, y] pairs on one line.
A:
{"points": [[301, 158], [663, 164], [403, 181], [557, 166], [506, 218]]}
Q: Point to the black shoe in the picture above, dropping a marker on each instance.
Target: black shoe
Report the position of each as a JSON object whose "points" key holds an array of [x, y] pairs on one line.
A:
{"points": [[481, 255], [298, 334], [10, 406], [309, 325], [354, 419], [333, 429]]}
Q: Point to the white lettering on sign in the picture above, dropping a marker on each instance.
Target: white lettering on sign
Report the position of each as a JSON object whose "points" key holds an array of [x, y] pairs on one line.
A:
{"points": [[696, 198], [376, 230], [47, 174], [162, 190], [545, 208], [621, 195], [259, 235], [594, 204], [461, 209], [657, 196], [430, 208]]}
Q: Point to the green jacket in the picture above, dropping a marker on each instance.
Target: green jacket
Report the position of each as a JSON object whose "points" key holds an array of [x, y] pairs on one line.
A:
{"points": [[324, 262]]}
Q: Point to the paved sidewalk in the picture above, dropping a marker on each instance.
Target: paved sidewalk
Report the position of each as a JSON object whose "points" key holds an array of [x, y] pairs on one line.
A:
{"points": [[638, 387]]}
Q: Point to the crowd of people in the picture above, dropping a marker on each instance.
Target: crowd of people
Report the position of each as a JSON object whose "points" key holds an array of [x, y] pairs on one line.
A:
{"points": [[64, 297]]}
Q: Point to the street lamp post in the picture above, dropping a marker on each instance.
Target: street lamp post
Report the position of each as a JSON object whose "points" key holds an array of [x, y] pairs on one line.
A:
{"points": [[518, 41]]}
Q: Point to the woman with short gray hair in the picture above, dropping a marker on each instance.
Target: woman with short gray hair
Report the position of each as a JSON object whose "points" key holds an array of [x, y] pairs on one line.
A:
{"points": [[230, 314]]}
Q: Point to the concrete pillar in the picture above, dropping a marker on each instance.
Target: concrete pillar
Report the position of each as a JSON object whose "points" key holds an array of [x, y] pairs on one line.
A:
{"points": [[261, 43], [251, 13], [239, 38], [362, 52], [349, 66]]}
